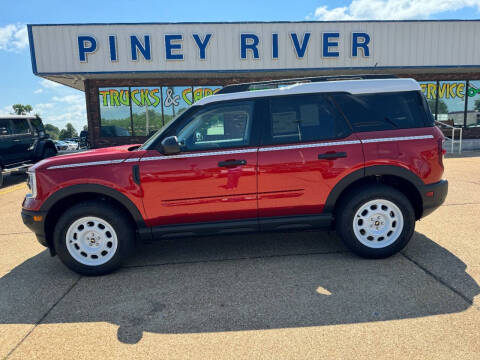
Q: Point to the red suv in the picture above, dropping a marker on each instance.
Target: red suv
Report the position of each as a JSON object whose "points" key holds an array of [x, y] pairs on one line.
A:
{"points": [[362, 156]]}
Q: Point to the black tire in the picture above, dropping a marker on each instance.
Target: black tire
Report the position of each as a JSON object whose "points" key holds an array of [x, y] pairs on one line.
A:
{"points": [[114, 217], [49, 152], [351, 203]]}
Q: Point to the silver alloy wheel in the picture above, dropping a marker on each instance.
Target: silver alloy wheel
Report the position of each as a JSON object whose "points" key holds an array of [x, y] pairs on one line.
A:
{"points": [[378, 223], [91, 241]]}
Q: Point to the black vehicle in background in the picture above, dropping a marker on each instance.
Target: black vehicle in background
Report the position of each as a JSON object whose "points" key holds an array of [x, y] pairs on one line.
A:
{"points": [[83, 142], [23, 141]]}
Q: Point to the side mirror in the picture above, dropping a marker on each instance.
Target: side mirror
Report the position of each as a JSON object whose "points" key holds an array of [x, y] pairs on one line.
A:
{"points": [[170, 145]]}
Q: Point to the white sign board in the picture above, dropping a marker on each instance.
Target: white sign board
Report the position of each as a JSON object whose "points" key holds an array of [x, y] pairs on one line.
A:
{"points": [[230, 47]]}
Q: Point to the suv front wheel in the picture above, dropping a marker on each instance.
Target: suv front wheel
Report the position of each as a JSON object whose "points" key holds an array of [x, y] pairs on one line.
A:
{"points": [[375, 222], [93, 238]]}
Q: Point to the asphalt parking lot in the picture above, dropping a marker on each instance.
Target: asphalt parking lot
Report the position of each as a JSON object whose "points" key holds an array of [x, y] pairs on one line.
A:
{"points": [[282, 295]]}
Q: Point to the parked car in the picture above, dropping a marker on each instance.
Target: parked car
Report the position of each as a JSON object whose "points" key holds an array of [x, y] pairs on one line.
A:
{"points": [[23, 141], [65, 145], [72, 145], [60, 145], [361, 156]]}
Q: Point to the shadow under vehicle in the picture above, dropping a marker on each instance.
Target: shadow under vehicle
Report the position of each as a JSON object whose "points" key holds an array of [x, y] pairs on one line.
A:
{"points": [[240, 283]]}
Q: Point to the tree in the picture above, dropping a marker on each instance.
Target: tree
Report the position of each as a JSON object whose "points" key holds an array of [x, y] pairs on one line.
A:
{"points": [[20, 109], [85, 127], [442, 106], [476, 106], [68, 132], [52, 130]]}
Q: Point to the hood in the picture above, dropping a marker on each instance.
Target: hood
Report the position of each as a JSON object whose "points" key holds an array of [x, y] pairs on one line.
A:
{"points": [[117, 153]]}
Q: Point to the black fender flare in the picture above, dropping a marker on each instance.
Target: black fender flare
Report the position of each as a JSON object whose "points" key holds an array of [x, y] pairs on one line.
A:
{"points": [[40, 147], [374, 170], [95, 189]]}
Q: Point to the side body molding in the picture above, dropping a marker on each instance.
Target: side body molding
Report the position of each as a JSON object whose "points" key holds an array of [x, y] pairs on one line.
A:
{"points": [[375, 170], [95, 189]]}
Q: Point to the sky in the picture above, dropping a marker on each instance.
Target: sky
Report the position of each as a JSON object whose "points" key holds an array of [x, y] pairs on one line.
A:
{"points": [[59, 104]]}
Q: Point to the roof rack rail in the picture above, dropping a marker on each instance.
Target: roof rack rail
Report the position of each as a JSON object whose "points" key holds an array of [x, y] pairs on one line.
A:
{"points": [[273, 84]]}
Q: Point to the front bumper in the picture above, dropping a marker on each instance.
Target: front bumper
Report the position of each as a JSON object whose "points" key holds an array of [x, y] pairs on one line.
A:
{"points": [[35, 221], [433, 195]]}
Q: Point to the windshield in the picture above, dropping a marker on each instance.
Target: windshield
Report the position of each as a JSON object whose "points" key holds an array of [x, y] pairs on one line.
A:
{"points": [[152, 139]]}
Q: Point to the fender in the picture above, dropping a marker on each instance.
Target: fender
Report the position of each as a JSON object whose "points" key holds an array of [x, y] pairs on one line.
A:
{"points": [[96, 189], [374, 170], [40, 146]]}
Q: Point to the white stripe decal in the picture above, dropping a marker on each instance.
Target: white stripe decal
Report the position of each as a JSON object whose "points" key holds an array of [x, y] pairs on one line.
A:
{"points": [[304, 146], [93, 163], [230, 152], [152, 158], [401, 138]]}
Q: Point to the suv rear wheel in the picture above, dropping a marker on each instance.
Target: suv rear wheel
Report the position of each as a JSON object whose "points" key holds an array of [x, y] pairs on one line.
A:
{"points": [[93, 238], [49, 152], [376, 222]]}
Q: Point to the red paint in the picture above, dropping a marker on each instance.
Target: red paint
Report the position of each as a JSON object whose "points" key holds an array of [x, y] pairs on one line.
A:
{"points": [[191, 189], [422, 157], [295, 181], [271, 183]]}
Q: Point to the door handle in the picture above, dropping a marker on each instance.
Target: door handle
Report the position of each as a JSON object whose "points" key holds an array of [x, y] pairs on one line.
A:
{"points": [[332, 155], [232, 163]]}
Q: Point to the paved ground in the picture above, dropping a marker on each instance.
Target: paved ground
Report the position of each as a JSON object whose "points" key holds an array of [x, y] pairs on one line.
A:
{"points": [[290, 295]]}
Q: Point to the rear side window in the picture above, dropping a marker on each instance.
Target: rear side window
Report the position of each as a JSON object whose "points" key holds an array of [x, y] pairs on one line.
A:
{"points": [[20, 126], [384, 111], [302, 118], [4, 127]]}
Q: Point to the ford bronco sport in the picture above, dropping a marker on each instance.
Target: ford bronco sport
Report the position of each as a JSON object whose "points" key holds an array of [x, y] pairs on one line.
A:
{"points": [[361, 155]]}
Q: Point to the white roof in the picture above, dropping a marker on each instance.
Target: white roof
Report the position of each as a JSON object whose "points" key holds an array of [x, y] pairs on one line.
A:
{"points": [[17, 117], [350, 86]]}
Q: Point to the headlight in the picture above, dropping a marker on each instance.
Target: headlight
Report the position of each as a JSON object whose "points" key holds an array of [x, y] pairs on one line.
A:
{"points": [[32, 183]]}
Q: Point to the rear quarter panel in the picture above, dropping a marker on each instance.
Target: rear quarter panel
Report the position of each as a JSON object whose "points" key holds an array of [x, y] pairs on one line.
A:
{"points": [[416, 150]]}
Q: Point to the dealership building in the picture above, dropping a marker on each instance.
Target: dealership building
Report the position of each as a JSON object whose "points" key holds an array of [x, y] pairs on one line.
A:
{"points": [[137, 77]]}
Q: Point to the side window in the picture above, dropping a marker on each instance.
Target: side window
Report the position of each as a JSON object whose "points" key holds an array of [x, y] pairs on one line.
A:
{"points": [[300, 118], [218, 126], [20, 127], [37, 125], [384, 111], [4, 127]]}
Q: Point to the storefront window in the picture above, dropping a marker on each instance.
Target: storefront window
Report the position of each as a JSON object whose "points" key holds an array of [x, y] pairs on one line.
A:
{"points": [[114, 112], [176, 99], [451, 102], [429, 89], [140, 111], [473, 107], [146, 110]]}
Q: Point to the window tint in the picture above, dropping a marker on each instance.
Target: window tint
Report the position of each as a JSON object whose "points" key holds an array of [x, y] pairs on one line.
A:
{"points": [[304, 118], [4, 127], [37, 124], [384, 111], [218, 126], [20, 126]]}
